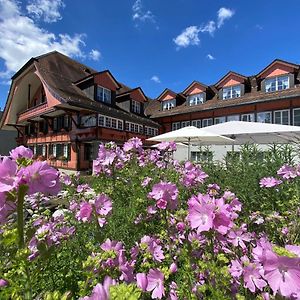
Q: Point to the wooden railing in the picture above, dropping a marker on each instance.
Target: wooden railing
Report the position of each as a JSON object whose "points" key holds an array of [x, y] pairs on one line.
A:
{"points": [[31, 112]]}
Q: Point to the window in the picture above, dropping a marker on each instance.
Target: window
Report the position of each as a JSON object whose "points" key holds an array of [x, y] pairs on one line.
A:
{"points": [[207, 122], [151, 131], [54, 152], [101, 120], [196, 123], [219, 120], [133, 127], [136, 107], [114, 123], [175, 126], [88, 121], [232, 92], [282, 117], [233, 118], [185, 124], [296, 119], [103, 95], [88, 152], [201, 156], [141, 129], [66, 151], [168, 104], [44, 150], [264, 117], [195, 99], [277, 84], [107, 122], [247, 117], [104, 121], [120, 125]]}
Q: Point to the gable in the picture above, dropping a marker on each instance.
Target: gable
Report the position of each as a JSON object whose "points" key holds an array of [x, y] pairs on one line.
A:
{"points": [[230, 80], [137, 95], [276, 69], [105, 80], [194, 88], [167, 95]]}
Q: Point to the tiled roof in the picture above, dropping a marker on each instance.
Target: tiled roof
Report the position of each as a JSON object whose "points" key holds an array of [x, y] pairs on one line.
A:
{"points": [[60, 72]]}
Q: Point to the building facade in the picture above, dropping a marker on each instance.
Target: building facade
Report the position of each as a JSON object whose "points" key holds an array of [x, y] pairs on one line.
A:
{"points": [[7, 140], [271, 96], [63, 110]]}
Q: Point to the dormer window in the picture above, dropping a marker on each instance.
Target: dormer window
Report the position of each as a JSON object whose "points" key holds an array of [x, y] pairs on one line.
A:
{"points": [[168, 104], [103, 95], [196, 99], [277, 84], [136, 107], [231, 92]]}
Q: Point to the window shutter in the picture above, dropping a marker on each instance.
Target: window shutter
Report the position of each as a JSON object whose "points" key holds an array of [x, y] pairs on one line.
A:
{"points": [[263, 85], [221, 94], [292, 80]]}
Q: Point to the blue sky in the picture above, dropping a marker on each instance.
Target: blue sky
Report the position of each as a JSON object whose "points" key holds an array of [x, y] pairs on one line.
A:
{"points": [[151, 43]]}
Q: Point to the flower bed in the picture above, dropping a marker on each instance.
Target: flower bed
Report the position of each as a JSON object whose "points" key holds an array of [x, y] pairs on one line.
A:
{"points": [[145, 226]]}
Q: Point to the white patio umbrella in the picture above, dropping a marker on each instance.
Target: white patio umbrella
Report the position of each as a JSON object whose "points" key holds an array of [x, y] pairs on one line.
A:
{"points": [[258, 133], [191, 134]]}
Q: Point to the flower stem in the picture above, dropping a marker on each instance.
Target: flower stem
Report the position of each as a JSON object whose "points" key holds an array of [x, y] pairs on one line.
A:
{"points": [[20, 215]]}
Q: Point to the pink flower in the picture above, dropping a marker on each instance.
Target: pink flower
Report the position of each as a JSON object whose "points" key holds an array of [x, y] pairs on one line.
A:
{"points": [[239, 237], [252, 278], [294, 249], [173, 268], [236, 269], [111, 245], [103, 205], [282, 273], [40, 177], [133, 144], [165, 193], [8, 179], [6, 207], [141, 281], [269, 182], [201, 215], [3, 282], [167, 146], [21, 152], [287, 172], [156, 284], [146, 181], [85, 212]]}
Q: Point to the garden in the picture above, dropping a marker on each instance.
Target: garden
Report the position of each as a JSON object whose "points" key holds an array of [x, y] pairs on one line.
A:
{"points": [[145, 226]]}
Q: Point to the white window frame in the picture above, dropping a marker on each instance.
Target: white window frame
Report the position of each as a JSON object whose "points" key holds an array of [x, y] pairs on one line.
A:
{"points": [[107, 122], [168, 104], [54, 149], [207, 121], [65, 150], [136, 107], [185, 124], [196, 99], [281, 111], [264, 112], [223, 120], [44, 150], [250, 117], [296, 109], [231, 89], [102, 97], [176, 126], [196, 123], [233, 116], [88, 121], [276, 79]]}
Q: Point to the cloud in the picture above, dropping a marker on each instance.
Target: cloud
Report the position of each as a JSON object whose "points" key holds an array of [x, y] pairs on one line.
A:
{"points": [[94, 54], [189, 36], [224, 14], [140, 15], [210, 57], [22, 39], [156, 79], [210, 27], [48, 10], [259, 27]]}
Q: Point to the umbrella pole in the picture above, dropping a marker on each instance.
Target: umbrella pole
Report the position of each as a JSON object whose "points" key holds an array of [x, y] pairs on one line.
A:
{"points": [[189, 148]]}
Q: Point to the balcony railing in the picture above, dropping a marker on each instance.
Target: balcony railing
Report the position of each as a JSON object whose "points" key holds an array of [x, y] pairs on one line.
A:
{"points": [[32, 112]]}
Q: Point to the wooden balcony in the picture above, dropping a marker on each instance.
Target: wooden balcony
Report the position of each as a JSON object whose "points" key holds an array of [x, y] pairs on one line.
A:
{"points": [[33, 112]]}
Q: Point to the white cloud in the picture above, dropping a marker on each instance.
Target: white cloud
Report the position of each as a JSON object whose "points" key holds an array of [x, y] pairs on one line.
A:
{"points": [[156, 79], [189, 36], [95, 54], [210, 27], [224, 14], [259, 27], [22, 38], [210, 57], [139, 14], [48, 10]]}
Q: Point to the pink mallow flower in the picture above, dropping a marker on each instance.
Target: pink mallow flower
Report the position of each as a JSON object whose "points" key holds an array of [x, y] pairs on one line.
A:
{"points": [[141, 281], [40, 177], [165, 194], [269, 182], [8, 179], [156, 284], [253, 279], [167, 146], [287, 172], [282, 273], [103, 205], [134, 143], [85, 212], [21, 152]]}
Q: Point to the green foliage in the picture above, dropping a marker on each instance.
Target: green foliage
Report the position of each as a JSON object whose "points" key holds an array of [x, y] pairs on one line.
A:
{"points": [[125, 292]]}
